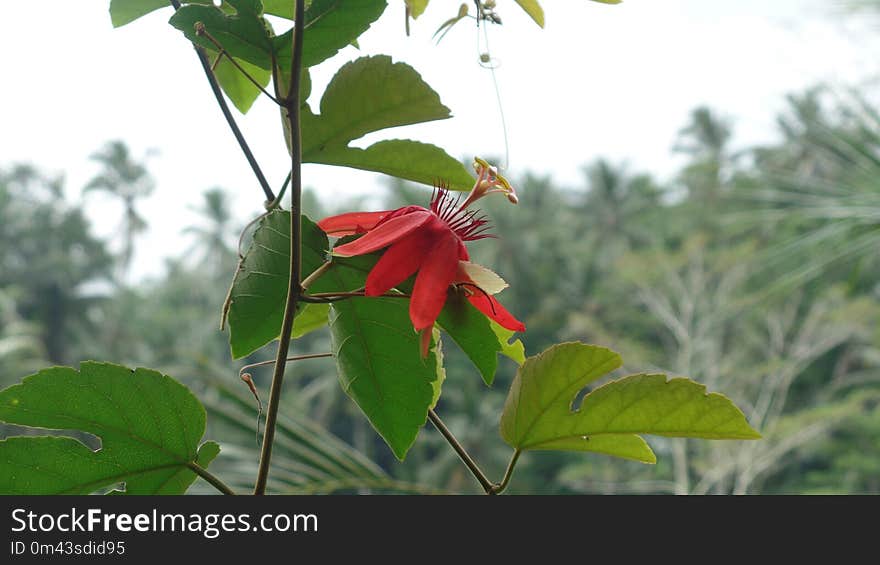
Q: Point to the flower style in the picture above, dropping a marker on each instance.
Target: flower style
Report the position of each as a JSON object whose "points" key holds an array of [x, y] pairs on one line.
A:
{"points": [[432, 243]]}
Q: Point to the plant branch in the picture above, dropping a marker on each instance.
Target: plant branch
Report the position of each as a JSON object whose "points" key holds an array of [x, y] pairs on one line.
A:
{"points": [[316, 274], [294, 288], [487, 485], [499, 487], [329, 297], [210, 478], [224, 107], [294, 358]]}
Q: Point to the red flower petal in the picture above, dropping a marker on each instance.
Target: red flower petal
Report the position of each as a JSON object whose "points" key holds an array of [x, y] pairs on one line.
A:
{"points": [[400, 261], [494, 310], [351, 223], [385, 234], [436, 274]]}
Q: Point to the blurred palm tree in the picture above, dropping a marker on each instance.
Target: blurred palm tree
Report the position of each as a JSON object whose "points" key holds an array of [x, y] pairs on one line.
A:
{"points": [[212, 238], [128, 180], [706, 141], [822, 186]]}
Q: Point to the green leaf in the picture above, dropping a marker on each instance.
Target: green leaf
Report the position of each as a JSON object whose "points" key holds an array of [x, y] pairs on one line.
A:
{"points": [[330, 25], [149, 426], [127, 11], [534, 10], [259, 289], [312, 317], [240, 90], [369, 95], [479, 338], [379, 363], [244, 34], [402, 158], [513, 349], [540, 411]]}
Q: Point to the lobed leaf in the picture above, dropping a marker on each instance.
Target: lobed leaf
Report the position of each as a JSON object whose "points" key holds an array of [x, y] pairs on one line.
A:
{"points": [[371, 94], [540, 411], [149, 426]]}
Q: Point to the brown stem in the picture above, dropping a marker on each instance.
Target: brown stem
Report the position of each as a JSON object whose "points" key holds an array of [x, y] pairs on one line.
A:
{"points": [[294, 288], [478, 474]]}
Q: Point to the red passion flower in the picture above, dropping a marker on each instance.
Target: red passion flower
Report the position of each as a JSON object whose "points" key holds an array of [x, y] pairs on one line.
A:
{"points": [[430, 242]]}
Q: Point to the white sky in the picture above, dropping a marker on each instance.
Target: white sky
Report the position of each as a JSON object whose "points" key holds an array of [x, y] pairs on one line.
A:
{"points": [[615, 81]]}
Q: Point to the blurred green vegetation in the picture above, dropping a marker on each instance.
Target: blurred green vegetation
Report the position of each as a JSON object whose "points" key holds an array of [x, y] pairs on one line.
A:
{"points": [[754, 271]]}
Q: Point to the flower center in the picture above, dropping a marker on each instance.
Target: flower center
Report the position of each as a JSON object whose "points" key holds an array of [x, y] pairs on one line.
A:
{"points": [[467, 224]]}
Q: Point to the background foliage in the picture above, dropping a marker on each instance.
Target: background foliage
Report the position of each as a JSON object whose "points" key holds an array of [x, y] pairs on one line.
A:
{"points": [[754, 273]]}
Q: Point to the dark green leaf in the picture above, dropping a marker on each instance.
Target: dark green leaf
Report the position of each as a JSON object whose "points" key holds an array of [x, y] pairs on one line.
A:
{"points": [[149, 426], [540, 412], [379, 363], [259, 289], [372, 94], [244, 34], [330, 25]]}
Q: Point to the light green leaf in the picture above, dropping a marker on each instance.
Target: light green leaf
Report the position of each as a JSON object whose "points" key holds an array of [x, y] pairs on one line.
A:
{"points": [[512, 349], [369, 95], [240, 90], [416, 7], [534, 10], [540, 412], [149, 426], [312, 317], [379, 363], [259, 289]]}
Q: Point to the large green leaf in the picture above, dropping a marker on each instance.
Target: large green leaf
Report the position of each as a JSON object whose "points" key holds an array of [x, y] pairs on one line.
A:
{"points": [[149, 426], [259, 289], [379, 363], [540, 412], [371, 94]]}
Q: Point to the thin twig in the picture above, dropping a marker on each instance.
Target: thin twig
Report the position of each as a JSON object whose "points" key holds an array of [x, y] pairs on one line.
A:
{"points": [[499, 488], [487, 485], [328, 297], [294, 358], [307, 282], [221, 101], [210, 478], [294, 287]]}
